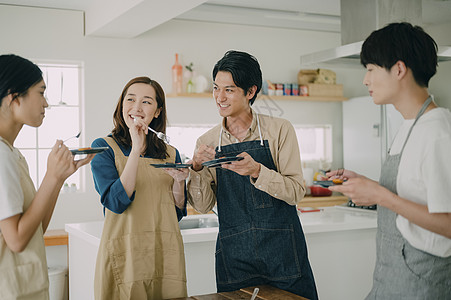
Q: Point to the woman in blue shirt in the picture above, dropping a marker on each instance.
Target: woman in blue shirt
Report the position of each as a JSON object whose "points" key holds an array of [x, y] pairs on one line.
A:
{"points": [[141, 253]]}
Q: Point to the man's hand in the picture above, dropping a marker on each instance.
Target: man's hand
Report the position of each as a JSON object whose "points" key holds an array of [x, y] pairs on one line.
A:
{"points": [[202, 154], [246, 166]]}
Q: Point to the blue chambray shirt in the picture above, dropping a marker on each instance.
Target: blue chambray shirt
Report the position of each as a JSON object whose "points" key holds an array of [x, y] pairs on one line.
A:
{"points": [[108, 184]]}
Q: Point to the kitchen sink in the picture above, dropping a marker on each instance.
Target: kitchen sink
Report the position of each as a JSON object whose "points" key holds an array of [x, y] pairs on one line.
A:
{"points": [[194, 222]]}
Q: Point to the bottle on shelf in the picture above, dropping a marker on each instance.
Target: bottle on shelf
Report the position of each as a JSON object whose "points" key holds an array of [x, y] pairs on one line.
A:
{"points": [[177, 76], [189, 74]]}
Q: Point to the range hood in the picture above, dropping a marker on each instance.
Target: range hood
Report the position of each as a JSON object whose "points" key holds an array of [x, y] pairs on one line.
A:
{"points": [[350, 55], [356, 26]]}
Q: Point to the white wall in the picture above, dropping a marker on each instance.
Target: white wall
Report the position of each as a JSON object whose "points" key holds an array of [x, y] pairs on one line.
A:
{"points": [[49, 34], [44, 34]]}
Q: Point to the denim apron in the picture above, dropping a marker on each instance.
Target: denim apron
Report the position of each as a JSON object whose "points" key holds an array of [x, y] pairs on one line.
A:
{"points": [[402, 271], [260, 238]]}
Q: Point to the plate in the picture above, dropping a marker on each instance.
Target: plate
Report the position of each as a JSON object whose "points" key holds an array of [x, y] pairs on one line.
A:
{"points": [[222, 160], [88, 150], [324, 183], [171, 166]]}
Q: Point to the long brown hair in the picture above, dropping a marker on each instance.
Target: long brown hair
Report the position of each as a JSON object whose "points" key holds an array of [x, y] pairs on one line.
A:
{"points": [[155, 147]]}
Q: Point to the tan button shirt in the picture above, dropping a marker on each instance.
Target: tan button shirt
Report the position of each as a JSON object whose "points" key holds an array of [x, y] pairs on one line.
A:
{"points": [[285, 184]]}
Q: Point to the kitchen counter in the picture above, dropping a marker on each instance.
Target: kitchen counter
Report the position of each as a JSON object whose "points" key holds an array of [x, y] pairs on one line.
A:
{"points": [[340, 240], [55, 237], [328, 219]]}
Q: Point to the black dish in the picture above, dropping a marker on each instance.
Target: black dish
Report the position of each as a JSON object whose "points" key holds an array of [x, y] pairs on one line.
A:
{"points": [[222, 160], [325, 183], [88, 150], [171, 166]]}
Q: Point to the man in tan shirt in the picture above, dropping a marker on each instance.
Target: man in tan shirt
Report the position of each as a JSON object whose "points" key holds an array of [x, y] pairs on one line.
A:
{"points": [[260, 238]]}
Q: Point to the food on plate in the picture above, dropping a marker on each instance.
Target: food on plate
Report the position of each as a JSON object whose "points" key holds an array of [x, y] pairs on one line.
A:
{"points": [[319, 176], [337, 181]]}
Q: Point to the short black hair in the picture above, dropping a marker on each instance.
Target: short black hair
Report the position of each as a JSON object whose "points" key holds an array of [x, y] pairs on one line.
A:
{"points": [[17, 75], [402, 42], [244, 68]]}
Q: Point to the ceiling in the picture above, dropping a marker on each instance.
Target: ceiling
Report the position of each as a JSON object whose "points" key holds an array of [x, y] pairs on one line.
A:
{"points": [[323, 15]]}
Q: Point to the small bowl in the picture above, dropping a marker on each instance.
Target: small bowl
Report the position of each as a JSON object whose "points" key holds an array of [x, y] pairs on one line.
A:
{"points": [[319, 191]]}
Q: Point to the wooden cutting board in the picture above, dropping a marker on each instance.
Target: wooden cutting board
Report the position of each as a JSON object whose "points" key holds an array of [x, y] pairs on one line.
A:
{"points": [[266, 292]]}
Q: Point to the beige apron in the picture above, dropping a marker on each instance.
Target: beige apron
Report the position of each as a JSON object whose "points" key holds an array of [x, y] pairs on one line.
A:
{"points": [[24, 275], [141, 254]]}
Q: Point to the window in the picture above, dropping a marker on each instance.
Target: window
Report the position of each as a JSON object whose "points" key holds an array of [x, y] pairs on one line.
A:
{"points": [[62, 120], [184, 137], [315, 141]]}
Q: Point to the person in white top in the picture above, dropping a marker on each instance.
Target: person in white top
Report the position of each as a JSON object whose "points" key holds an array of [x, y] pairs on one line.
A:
{"points": [[24, 212], [413, 195]]}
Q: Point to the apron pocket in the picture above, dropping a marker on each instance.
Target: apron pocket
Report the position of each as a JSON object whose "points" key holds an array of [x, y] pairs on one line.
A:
{"points": [[235, 256], [220, 267], [278, 250], [431, 269], [23, 280], [265, 250], [145, 256], [260, 199]]}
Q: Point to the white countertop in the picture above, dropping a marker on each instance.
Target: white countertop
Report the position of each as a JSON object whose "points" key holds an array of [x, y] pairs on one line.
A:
{"points": [[338, 218], [329, 219]]}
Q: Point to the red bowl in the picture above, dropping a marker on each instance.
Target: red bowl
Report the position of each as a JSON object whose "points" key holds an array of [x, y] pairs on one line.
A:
{"points": [[319, 191]]}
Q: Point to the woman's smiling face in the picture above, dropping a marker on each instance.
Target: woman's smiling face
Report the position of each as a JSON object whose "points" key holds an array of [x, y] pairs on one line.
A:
{"points": [[140, 102]]}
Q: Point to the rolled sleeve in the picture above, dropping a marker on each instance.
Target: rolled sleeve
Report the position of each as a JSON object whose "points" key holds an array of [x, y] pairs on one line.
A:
{"points": [[285, 183], [107, 182], [181, 212], [200, 190]]}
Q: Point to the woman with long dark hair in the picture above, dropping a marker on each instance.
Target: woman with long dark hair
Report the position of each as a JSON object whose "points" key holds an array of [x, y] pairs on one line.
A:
{"points": [[141, 252]]}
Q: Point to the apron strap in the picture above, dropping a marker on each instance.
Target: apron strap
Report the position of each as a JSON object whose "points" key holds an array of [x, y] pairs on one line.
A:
{"points": [[259, 133], [420, 113], [110, 141]]}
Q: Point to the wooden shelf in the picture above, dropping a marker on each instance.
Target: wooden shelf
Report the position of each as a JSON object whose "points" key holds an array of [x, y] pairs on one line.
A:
{"points": [[303, 98], [266, 97], [309, 201], [56, 237], [190, 95]]}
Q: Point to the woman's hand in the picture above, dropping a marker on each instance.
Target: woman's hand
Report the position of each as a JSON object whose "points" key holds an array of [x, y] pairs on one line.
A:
{"points": [[202, 154], [362, 190], [244, 167], [61, 163], [138, 131], [178, 188], [178, 174], [342, 174]]}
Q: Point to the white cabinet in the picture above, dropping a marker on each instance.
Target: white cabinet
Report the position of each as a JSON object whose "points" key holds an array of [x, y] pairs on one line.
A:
{"points": [[341, 245]]}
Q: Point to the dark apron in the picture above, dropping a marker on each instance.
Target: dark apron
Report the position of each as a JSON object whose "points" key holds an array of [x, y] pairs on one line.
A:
{"points": [[402, 271], [260, 238]]}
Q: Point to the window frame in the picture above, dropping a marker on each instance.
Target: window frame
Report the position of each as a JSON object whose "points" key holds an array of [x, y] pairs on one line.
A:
{"points": [[39, 158]]}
